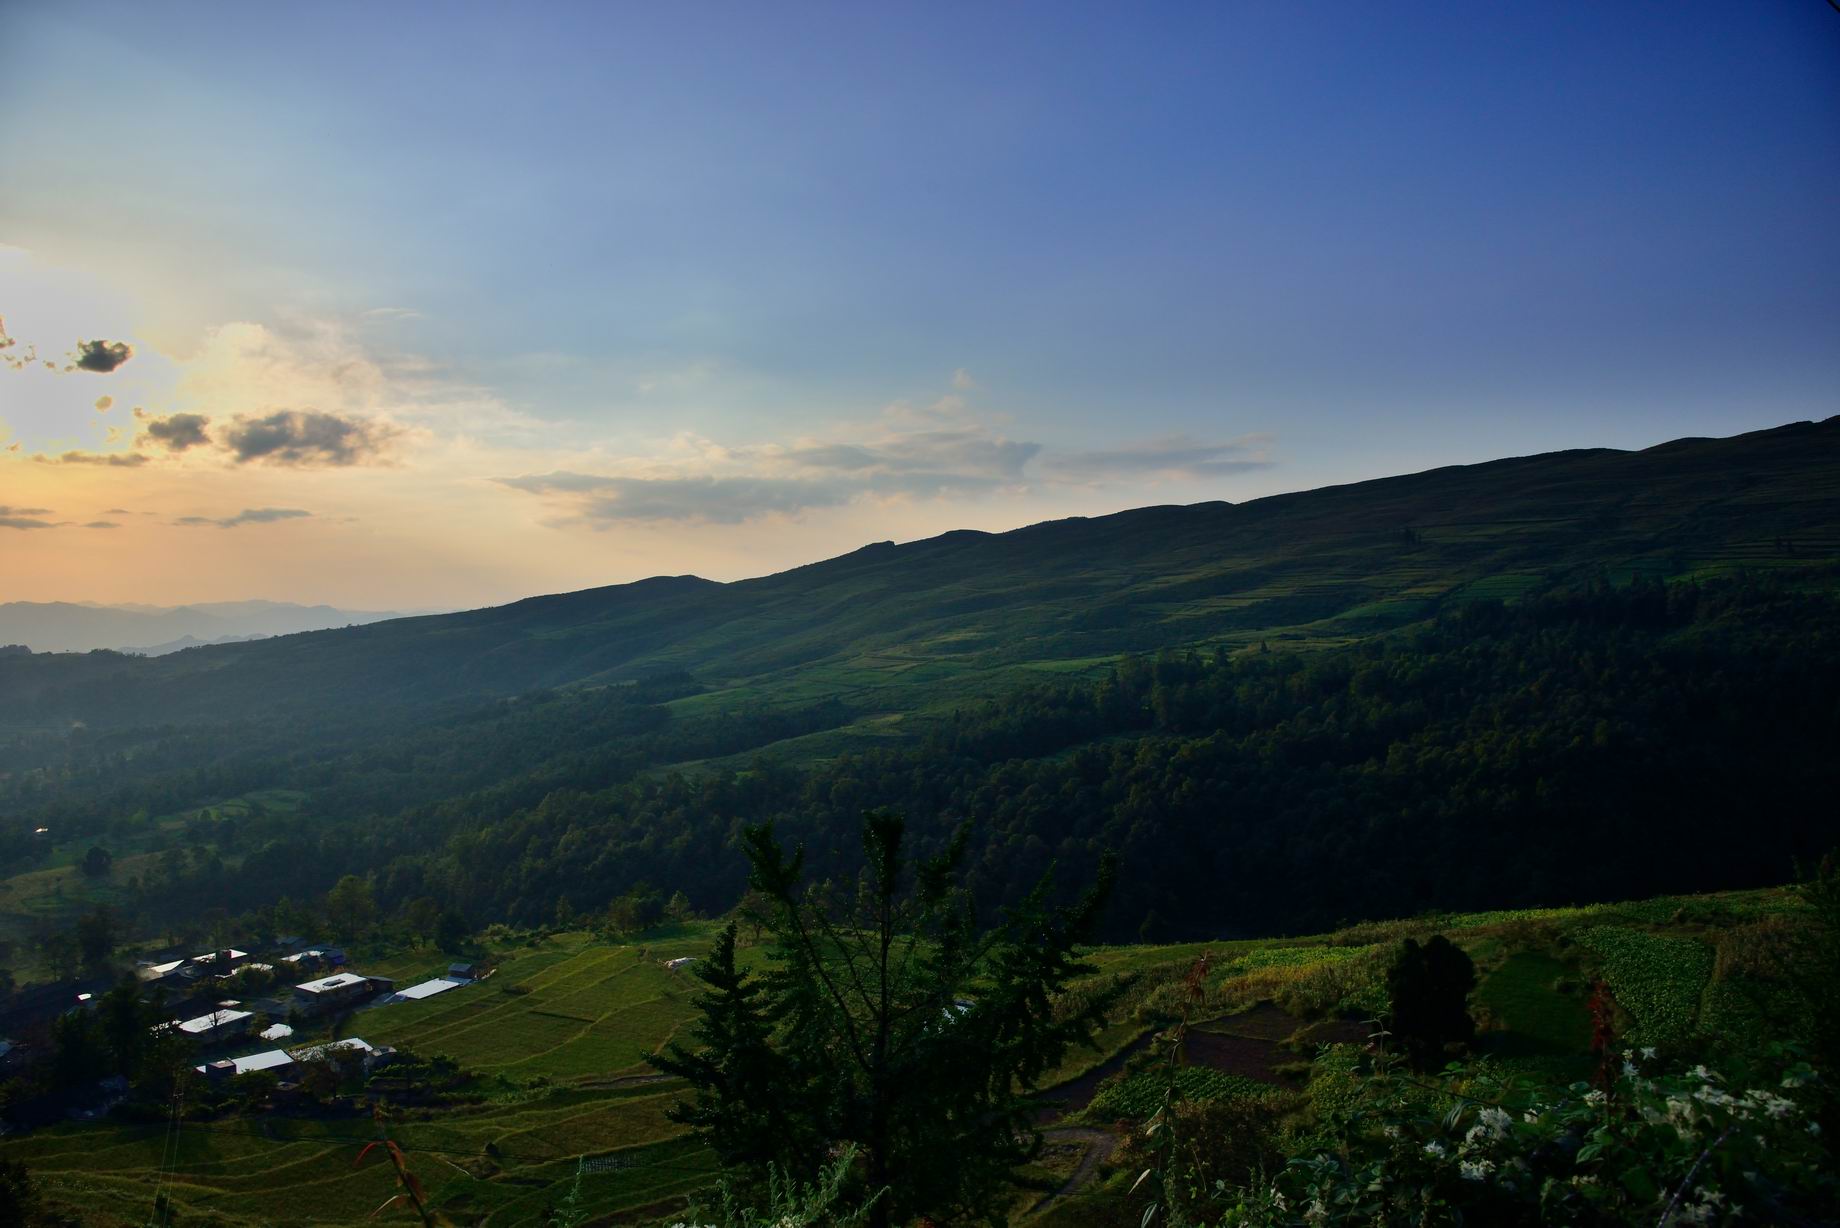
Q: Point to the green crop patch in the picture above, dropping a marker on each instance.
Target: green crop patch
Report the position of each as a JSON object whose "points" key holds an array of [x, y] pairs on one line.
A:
{"points": [[1658, 980]]}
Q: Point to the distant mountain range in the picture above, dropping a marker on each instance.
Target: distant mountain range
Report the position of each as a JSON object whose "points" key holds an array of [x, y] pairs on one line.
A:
{"points": [[152, 630]]}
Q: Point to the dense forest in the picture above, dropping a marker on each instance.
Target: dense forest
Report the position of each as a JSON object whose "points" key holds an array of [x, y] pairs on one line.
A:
{"points": [[1585, 742]]}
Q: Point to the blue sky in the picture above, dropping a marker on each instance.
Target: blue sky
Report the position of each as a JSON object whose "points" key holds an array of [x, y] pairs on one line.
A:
{"points": [[683, 252]]}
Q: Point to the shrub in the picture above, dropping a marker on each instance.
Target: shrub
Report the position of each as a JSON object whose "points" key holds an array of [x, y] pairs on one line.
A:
{"points": [[1427, 989]]}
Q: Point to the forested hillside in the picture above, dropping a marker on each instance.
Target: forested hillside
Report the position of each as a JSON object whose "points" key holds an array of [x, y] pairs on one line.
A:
{"points": [[1550, 679], [1571, 746]]}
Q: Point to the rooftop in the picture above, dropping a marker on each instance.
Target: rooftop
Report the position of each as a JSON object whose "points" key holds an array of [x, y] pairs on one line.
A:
{"points": [[267, 1060], [338, 980], [428, 989], [214, 1020], [315, 1052]]}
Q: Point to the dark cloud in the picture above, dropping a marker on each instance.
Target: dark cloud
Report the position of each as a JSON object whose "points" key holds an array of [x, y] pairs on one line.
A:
{"points": [[1175, 457], [307, 437], [101, 524], [177, 432], [126, 460], [249, 515], [116, 511], [102, 356], [24, 522], [24, 511]]}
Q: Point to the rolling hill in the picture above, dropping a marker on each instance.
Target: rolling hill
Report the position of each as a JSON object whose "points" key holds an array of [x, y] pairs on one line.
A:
{"points": [[895, 628], [1463, 688]]}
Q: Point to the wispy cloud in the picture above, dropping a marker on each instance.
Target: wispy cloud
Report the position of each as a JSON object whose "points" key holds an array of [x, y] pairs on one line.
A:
{"points": [[124, 460], [703, 481], [249, 515], [1177, 457]]}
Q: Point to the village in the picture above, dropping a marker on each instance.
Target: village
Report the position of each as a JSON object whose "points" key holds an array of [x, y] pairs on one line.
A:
{"points": [[230, 1023], [243, 1015]]}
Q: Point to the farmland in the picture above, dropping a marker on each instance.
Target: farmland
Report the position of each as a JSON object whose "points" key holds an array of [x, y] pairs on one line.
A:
{"points": [[552, 1043]]}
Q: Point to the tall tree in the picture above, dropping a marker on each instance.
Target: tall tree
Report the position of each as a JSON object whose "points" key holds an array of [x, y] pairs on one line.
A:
{"points": [[888, 1018], [351, 907]]}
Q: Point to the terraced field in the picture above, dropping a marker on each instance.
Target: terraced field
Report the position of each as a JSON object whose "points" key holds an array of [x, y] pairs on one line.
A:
{"points": [[556, 1035], [559, 1059], [578, 1011]]}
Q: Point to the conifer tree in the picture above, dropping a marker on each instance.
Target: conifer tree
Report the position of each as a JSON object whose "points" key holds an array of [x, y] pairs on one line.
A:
{"points": [[887, 1018]]}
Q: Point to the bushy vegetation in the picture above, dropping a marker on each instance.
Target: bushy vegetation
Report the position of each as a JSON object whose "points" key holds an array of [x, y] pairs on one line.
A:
{"points": [[1685, 1148]]}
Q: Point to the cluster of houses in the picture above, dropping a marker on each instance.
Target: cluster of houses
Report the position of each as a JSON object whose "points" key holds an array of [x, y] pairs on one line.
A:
{"points": [[321, 985], [330, 986]]}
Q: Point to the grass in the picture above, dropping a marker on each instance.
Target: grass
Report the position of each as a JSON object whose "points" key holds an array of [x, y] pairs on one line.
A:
{"points": [[1541, 1023], [556, 1037], [570, 1009]]}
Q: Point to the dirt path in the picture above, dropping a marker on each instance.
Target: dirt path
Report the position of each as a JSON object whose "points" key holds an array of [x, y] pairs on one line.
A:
{"points": [[1099, 1146], [613, 1082]]}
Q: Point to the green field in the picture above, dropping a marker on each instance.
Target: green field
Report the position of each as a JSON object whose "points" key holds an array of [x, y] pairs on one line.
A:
{"points": [[554, 1040]]}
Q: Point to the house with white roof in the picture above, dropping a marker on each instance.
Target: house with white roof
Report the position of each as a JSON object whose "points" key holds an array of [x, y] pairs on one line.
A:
{"points": [[339, 989], [217, 1027]]}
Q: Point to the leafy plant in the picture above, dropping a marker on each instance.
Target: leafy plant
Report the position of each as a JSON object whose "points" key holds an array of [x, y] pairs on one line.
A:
{"points": [[1692, 1147], [1658, 980]]}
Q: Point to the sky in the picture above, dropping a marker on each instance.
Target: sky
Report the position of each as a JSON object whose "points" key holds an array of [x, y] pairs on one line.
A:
{"points": [[442, 305]]}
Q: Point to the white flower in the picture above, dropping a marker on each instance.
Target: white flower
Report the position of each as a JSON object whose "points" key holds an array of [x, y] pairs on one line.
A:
{"points": [[1392, 1131], [1629, 1069], [1435, 1149], [1648, 1053], [1475, 1170], [1595, 1097], [1316, 1212]]}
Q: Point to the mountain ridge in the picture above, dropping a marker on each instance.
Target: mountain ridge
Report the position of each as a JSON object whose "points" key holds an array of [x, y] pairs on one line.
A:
{"points": [[895, 627]]}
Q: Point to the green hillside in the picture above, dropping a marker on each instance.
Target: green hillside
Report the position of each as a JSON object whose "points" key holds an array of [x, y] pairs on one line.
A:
{"points": [[1479, 686], [895, 628]]}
